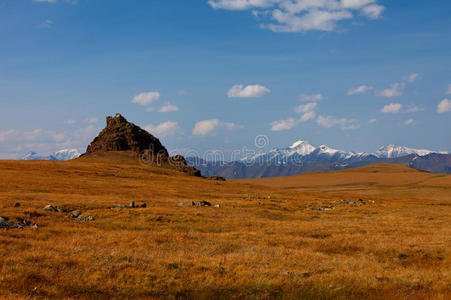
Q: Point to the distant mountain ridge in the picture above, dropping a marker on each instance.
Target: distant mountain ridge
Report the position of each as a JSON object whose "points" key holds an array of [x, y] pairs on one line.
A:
{"points": [[302, 151], [302, 157], [64, 154]]}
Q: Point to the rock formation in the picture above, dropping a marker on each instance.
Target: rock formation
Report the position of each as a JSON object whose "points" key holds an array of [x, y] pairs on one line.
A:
{"points": [[121, 135]]}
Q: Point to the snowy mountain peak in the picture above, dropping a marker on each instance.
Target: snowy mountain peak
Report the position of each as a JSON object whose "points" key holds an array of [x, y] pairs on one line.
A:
{"points": [[302, 151], [65, 154], [394, 151]]}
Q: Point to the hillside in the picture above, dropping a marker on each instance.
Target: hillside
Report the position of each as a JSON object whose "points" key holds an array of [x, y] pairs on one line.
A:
{"points": [[377, 232]]}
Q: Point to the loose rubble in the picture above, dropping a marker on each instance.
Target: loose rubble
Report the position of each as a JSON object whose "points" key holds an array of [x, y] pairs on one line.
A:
{"points": [[52, 208], [20, 224], [132, 205], [197, 204]]}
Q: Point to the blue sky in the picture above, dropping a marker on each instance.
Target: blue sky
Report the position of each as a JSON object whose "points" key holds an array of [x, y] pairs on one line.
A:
{"points": [[204, 75]]}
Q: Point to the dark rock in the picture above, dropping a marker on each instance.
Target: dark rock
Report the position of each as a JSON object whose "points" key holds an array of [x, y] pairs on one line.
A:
{"points": [[50, 208], [17, 204], [121, 135], [218, 178], [132, 205], [75, 214], [119, 206], [187, 204], [20, 224], [203, 203]]}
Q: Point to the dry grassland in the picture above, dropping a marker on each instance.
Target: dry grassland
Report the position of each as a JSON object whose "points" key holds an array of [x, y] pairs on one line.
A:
{"points": [[271, 238]]}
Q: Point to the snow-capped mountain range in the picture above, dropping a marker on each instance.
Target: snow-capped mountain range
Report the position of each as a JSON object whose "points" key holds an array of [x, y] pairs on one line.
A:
{"points": [[303, 151], [65, 154]]}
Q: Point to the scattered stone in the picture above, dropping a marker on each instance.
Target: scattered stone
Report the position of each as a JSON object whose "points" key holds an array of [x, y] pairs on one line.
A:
{"points": [[132, 205], [322, 207], [217, 206], [32, 214], [75, 214], [50, 208], [203, 203], [20, 224], [119, 206], [187, 204], [17, 204], [218, 178]]}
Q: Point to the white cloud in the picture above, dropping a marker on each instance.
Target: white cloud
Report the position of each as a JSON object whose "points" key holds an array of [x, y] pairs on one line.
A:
{"points": [[169, 108], [409, 122], [303, 15], [392, 108], [241, 4], [413, 77], [413, 109], [91, 120], [373, 11], [395, 90], [5, 134], [372, 121], [71, 122], [344, 124], [448, 92], [250, 91], [55, 1], [47, 24], [146, 99], [314, 97], [284, 124], [444, 106], [207, 127], [164, 129], [303, 108], [308, 116], [360, 90]]}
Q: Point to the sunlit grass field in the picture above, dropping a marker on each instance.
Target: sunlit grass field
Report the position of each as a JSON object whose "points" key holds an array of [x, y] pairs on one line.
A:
{"points": [[378, 232]]}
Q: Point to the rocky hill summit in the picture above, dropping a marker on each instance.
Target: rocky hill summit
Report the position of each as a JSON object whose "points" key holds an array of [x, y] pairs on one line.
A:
{"points": [[121, 135]]}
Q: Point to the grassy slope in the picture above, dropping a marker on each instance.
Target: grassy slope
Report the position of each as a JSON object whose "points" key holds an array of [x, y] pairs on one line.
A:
{"points": [[395, 248]]}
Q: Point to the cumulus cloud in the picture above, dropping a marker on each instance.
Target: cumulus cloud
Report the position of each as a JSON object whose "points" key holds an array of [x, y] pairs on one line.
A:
{"points": [[5, 134], [71, 122], [444, 106], [392, 108], [206, 127], [146, 99], [413, 77], [343, 123], [448, 92], [47, 24], [307, 111], [164, 129], [372, 121], [359, 90], [91, 120], [303, 108], [169, 108], [314, 97], [284, 124], [409, 122], [303, 15], [250, 91], [395, 90], [413, 109]]}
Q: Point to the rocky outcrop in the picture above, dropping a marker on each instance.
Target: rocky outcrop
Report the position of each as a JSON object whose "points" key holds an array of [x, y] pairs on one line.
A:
{"points": [[121, 135]]}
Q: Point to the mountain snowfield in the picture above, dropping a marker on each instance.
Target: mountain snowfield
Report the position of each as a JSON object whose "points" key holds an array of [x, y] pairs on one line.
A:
{"points": [[302, 151], [65, 154]]}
